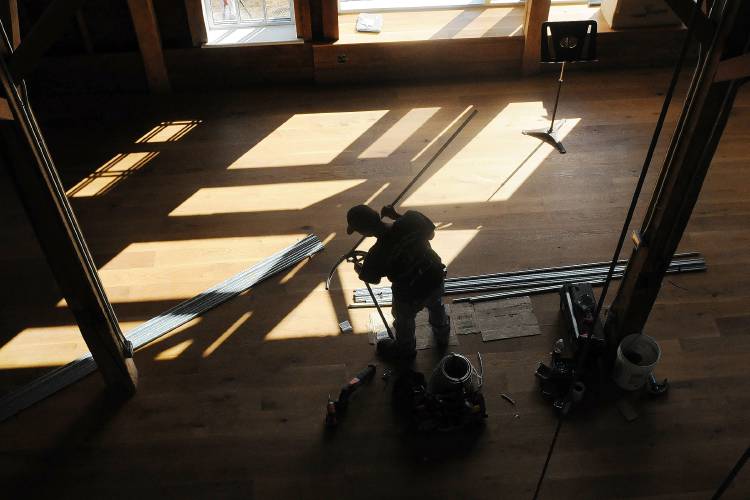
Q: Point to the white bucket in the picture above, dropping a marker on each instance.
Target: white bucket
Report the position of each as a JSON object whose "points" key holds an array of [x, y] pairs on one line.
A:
{"points": [[637, 356]]}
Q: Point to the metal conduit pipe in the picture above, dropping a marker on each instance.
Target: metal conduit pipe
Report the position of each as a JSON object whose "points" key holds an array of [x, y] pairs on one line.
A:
{"points": [[541, 287], [460, 281], [458, 286], [468, 286]]}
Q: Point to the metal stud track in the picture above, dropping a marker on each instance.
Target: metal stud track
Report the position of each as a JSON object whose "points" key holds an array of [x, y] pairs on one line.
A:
{"points": [[531, 281], [59, 378]]}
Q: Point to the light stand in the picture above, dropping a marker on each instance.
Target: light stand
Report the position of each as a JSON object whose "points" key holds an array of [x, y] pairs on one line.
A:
{"points": [[564, 42], [550, 135]]}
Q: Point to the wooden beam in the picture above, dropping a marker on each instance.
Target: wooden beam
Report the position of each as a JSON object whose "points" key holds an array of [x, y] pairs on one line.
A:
{"points": [[302, 19], [83, 29], [47, 30], [689, 156], [324, 20], [703, 28], [734, 68], [25, 155], [149, 42], [196, 22], [5, 112], [9, 16], [537, 12]]}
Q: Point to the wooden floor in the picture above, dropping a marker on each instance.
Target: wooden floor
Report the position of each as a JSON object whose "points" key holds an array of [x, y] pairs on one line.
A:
{"points": [[178, 193]]}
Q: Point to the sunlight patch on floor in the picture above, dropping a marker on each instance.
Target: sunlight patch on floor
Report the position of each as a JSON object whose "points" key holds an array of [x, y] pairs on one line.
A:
{"points": [[450, 243], [46, 346], [394, 137], [483, 169], [169, 131], [228, 333], [115, 170], [178, 270], [309, 139], [312, 317], [262, 197], [529, 164], [179, 253], [174, 352]]}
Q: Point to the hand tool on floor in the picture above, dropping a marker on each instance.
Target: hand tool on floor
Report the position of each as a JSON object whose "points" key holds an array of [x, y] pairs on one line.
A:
{"points": [[570, 370], [335, 410]]}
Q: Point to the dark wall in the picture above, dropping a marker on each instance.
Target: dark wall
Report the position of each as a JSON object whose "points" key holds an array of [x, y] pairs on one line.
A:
{"points": [[173, 24], [109, 26]]}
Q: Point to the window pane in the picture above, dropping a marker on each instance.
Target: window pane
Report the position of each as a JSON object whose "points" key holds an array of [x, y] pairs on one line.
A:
{"points": [[251, 11], [279, 9], [223, 11]]}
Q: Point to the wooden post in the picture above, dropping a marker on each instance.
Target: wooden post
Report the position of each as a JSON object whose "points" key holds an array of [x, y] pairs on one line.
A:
{"points": [[196, 21], [83, 29], [24, 154], [537, 12], [324, 16], [9, 16], [302, 19], [149, 42], [689, 156]]}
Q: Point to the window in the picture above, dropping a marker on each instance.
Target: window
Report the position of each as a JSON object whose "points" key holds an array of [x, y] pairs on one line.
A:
{"points": [[249, 22], [228, 14]]}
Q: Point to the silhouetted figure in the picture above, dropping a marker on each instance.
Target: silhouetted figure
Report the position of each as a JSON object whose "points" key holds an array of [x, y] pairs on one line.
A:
{"points": [[403, 254]]}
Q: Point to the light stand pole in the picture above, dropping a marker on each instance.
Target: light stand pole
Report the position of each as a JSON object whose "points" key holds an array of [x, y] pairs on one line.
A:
{"points": [[550, 135], [564, 42]]}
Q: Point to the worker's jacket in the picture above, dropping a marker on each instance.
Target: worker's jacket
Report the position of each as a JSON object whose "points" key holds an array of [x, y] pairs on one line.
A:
{"points": [[404, 255]]}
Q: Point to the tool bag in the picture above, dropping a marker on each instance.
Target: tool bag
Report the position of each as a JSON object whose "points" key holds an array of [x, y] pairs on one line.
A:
{"points": [[451, 400]]}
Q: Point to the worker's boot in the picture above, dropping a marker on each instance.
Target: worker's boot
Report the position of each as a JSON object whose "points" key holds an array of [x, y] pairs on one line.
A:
{"points": [[391, 350]]}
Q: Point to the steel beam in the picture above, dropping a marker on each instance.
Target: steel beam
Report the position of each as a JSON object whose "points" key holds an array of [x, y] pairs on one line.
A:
{"points": [[703, 27]]}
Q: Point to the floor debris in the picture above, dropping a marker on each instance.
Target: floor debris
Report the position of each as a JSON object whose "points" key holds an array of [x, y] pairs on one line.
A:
{"points": [[508, 398]]}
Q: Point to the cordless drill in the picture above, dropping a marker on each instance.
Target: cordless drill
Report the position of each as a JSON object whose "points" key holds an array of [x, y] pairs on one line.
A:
{"points": [[335, 410]]}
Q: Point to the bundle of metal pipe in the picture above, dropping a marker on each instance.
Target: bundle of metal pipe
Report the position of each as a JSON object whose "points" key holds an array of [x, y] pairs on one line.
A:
{"points": [[167, 321], [531, 281]]}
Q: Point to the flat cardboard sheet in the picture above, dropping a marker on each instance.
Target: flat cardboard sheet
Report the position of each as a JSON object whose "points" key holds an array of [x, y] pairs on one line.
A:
{"points": [[423, 332], [462, 318], [506, 318]]}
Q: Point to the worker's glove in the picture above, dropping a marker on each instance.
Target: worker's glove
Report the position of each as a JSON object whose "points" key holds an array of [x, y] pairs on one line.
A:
{"points": [[358, 259], [358, 268], [389, 211]]}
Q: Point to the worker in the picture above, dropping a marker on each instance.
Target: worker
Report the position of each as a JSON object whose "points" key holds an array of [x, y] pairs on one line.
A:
{"points": [[403, 254]]}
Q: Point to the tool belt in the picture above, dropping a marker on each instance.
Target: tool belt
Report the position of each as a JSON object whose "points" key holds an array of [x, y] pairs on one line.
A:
{"points": [[419, 282]]}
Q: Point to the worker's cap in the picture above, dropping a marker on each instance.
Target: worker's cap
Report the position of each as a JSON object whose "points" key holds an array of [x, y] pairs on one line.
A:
{"points": [[361, 218]]}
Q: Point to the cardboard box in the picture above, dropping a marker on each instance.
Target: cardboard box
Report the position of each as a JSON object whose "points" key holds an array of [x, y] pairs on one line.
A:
{"points": [[637, 13]]}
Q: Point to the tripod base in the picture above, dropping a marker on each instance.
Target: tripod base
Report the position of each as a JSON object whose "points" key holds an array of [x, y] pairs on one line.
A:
{"points": [[549, 136]]}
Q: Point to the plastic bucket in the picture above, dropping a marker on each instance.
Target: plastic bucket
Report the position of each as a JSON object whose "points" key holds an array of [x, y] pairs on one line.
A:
{"points": [[637, 356]]}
